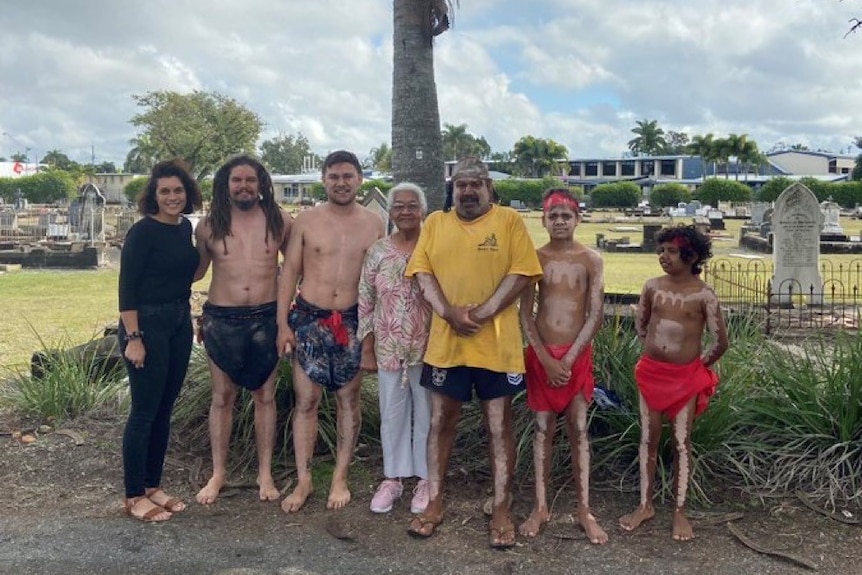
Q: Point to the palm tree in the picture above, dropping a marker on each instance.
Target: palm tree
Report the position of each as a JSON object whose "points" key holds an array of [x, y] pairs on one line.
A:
{"points": [[649, 140], [380, 158], [417, 146], [703, 147], [735, 145], [142, 157], [455, 140], [748, 154]]}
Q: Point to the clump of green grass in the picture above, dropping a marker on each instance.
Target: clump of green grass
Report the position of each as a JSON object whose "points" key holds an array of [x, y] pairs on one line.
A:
{"points": [[804, 422], [70, 382]]}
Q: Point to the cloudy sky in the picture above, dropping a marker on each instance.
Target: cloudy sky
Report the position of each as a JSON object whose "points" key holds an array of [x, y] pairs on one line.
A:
{"points": [[579, 71]]}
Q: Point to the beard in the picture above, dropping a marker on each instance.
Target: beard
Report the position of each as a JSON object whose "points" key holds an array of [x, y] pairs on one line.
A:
{"points": [[244, 205]]}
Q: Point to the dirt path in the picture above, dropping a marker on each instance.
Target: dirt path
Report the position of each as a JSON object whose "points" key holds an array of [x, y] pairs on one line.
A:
{"points": [[60, 513]]}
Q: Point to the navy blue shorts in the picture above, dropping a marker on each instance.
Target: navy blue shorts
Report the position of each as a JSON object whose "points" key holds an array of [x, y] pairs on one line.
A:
{"points": [[458, 382]]}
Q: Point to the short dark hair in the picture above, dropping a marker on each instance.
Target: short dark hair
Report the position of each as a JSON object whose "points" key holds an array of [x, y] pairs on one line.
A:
{"points": [[146, 200], [692, 244], [340, 157]]}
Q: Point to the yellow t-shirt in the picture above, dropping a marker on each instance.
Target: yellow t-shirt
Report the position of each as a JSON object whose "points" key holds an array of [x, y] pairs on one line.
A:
{"points": [[469, 260]]}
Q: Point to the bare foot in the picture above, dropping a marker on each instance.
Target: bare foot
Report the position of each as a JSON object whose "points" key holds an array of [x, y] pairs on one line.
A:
{"points": [[268, 490], [294, 502], [595, 533], [682, 530], [633, 520], [209, 493], [339, 495], [533, 525]]}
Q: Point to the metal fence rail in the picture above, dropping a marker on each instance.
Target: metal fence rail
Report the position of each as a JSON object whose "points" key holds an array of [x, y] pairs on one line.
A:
{"points": [[748, 287]]}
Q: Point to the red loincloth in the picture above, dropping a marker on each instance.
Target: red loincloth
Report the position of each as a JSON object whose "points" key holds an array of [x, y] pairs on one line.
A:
{"points": [[668, 387], [543, 397]]}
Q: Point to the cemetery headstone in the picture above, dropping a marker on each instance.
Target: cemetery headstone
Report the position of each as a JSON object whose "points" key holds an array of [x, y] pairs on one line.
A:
{"points": [[376, 202], [796, 224], [832, 230]]}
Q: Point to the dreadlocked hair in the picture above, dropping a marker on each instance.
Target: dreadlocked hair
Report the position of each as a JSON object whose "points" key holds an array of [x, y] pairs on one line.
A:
{"points": [[220, 208], [693, 245]]}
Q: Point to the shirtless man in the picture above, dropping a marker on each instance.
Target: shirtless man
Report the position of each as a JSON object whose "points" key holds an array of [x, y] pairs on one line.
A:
{"points": [[559, 358], [471, 264], [327, 251], [673, 374], [242, 236]]}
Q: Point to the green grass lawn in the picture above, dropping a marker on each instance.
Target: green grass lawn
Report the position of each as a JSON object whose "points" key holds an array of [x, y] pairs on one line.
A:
{"points": [[55, 309]]}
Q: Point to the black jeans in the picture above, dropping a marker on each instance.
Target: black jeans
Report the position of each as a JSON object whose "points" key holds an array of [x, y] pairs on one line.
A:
{"points": [[168, 343]]}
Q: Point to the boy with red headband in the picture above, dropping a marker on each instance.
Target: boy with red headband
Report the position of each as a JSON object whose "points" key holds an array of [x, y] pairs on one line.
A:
{"points": [[559, 358], [673, 374]]}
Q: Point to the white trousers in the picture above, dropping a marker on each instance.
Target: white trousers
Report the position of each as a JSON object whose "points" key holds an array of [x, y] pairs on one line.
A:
{"points": [[404, 445]]}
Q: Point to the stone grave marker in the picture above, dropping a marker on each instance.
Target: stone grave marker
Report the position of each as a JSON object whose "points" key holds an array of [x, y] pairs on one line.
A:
{"points": [[832, 230], [796, 224], [757, 211], [8, 221], [375, 201]]}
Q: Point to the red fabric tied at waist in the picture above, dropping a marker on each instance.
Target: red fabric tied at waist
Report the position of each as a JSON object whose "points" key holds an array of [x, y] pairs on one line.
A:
{"points": [[335, 325], [668, 387]]}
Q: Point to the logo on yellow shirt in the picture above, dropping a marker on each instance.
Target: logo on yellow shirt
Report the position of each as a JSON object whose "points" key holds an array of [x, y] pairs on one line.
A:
{"points": [[490, 244]]}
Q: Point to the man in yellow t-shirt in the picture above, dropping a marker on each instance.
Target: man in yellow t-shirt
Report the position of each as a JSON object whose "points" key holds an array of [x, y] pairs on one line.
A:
{"points": [[472, 264]]}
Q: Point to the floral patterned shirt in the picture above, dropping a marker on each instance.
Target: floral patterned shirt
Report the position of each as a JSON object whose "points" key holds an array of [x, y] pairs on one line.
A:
{"points": [[392, 307]]}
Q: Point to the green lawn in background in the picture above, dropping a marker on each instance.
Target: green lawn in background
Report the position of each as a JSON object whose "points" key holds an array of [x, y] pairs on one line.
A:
{"points": [[59, 307]]}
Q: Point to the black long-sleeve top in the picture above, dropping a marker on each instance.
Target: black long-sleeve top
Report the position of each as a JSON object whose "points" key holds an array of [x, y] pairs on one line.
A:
{"points": [[157, 264]]}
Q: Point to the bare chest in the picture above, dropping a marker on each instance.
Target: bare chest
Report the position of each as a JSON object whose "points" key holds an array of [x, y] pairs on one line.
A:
{"points": [[682, 305]]}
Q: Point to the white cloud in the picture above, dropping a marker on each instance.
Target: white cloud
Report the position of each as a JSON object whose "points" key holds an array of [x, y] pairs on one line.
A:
{"points": [[578, 71]]}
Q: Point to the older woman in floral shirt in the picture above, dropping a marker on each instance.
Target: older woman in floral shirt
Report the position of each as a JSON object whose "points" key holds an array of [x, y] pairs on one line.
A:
{"points": [[393, 326]]}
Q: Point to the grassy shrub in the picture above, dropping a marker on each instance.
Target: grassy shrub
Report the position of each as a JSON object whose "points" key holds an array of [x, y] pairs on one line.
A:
{"points": [[70, 383], [803, 422], [191, 417]]}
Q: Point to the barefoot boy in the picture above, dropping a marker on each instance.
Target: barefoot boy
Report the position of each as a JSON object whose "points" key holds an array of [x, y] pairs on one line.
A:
{"points": [[559, 358], [672, 375]]}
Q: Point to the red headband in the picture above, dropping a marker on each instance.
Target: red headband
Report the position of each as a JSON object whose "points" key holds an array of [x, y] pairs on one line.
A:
{"points": [[681, 242], [560, 199]]}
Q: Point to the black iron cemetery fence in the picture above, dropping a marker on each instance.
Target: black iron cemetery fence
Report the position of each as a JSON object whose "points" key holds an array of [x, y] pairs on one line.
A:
{"points": [[746, 287]]}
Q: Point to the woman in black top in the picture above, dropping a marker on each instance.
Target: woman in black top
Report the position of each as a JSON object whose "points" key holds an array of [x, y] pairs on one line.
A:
{"points": [[157, 268]]}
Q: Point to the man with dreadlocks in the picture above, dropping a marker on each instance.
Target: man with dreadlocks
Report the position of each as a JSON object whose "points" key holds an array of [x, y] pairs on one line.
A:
{"points": [[673, 375], [320, 329], [242, 236]]}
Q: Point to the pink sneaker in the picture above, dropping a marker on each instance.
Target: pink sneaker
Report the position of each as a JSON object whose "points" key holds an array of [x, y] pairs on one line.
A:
{"points": [[388, 491], [421, 495]]}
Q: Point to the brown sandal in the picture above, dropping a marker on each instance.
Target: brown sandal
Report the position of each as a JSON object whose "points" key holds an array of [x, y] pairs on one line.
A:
{"points": [[497, 536], [423, 526], [162, 499], [148, 516]]}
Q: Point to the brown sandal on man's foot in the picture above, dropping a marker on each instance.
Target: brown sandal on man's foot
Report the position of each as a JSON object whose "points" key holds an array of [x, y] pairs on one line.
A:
{"points": [[162, 499], [422, 526], [497, 536], [134, 510]]}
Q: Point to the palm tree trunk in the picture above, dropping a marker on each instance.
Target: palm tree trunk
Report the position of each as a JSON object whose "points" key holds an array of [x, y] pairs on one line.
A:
{"points": [[417, 148]]}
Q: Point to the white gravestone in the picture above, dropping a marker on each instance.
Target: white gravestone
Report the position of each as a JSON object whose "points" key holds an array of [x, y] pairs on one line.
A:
{"points": [[796, 224], [757, 211], [832, 218]]}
